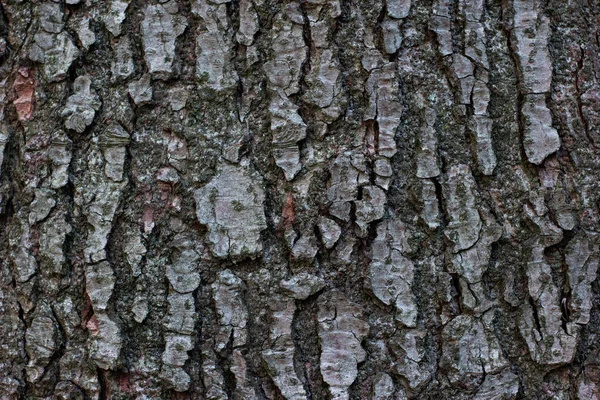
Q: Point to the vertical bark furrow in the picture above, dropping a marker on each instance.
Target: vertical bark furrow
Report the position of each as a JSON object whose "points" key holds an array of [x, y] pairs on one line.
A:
{"points": [[316, 199]]}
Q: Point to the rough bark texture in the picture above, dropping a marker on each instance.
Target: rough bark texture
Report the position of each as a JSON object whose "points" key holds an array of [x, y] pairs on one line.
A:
{"points": [[299, 199]]}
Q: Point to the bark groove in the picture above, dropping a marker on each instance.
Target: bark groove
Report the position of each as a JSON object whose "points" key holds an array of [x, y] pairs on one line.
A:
{"points": [[299, 199]]}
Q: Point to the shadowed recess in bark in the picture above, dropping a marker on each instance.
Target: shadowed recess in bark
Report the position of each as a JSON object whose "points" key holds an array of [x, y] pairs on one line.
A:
{"points": [[299, 199]]}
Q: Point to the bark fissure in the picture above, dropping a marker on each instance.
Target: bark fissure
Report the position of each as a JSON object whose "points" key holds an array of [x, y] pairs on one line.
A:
{"points": [[341, 199]]}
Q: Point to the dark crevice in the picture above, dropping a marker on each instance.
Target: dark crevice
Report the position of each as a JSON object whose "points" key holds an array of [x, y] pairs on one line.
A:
{"points": [[25, 41], [373, 127], [4, 28], [507, 30], [378, 29], [195, 354], [103, 395], [536, 317], [307, 348], [491, 277], [458, 289], [63, 337], [228, 376], [306, 66], [556, 253], [580, 113], [440, 199]]}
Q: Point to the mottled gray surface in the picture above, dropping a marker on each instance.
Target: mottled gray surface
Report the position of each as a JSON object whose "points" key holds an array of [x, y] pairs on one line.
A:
{"points": [[299, 199]]}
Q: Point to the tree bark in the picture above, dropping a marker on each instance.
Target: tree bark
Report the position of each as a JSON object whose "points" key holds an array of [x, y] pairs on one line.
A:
{"points": [[299, 199]]}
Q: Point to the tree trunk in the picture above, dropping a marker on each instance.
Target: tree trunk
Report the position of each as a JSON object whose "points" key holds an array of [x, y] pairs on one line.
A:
{"points": [[299, 199]]}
